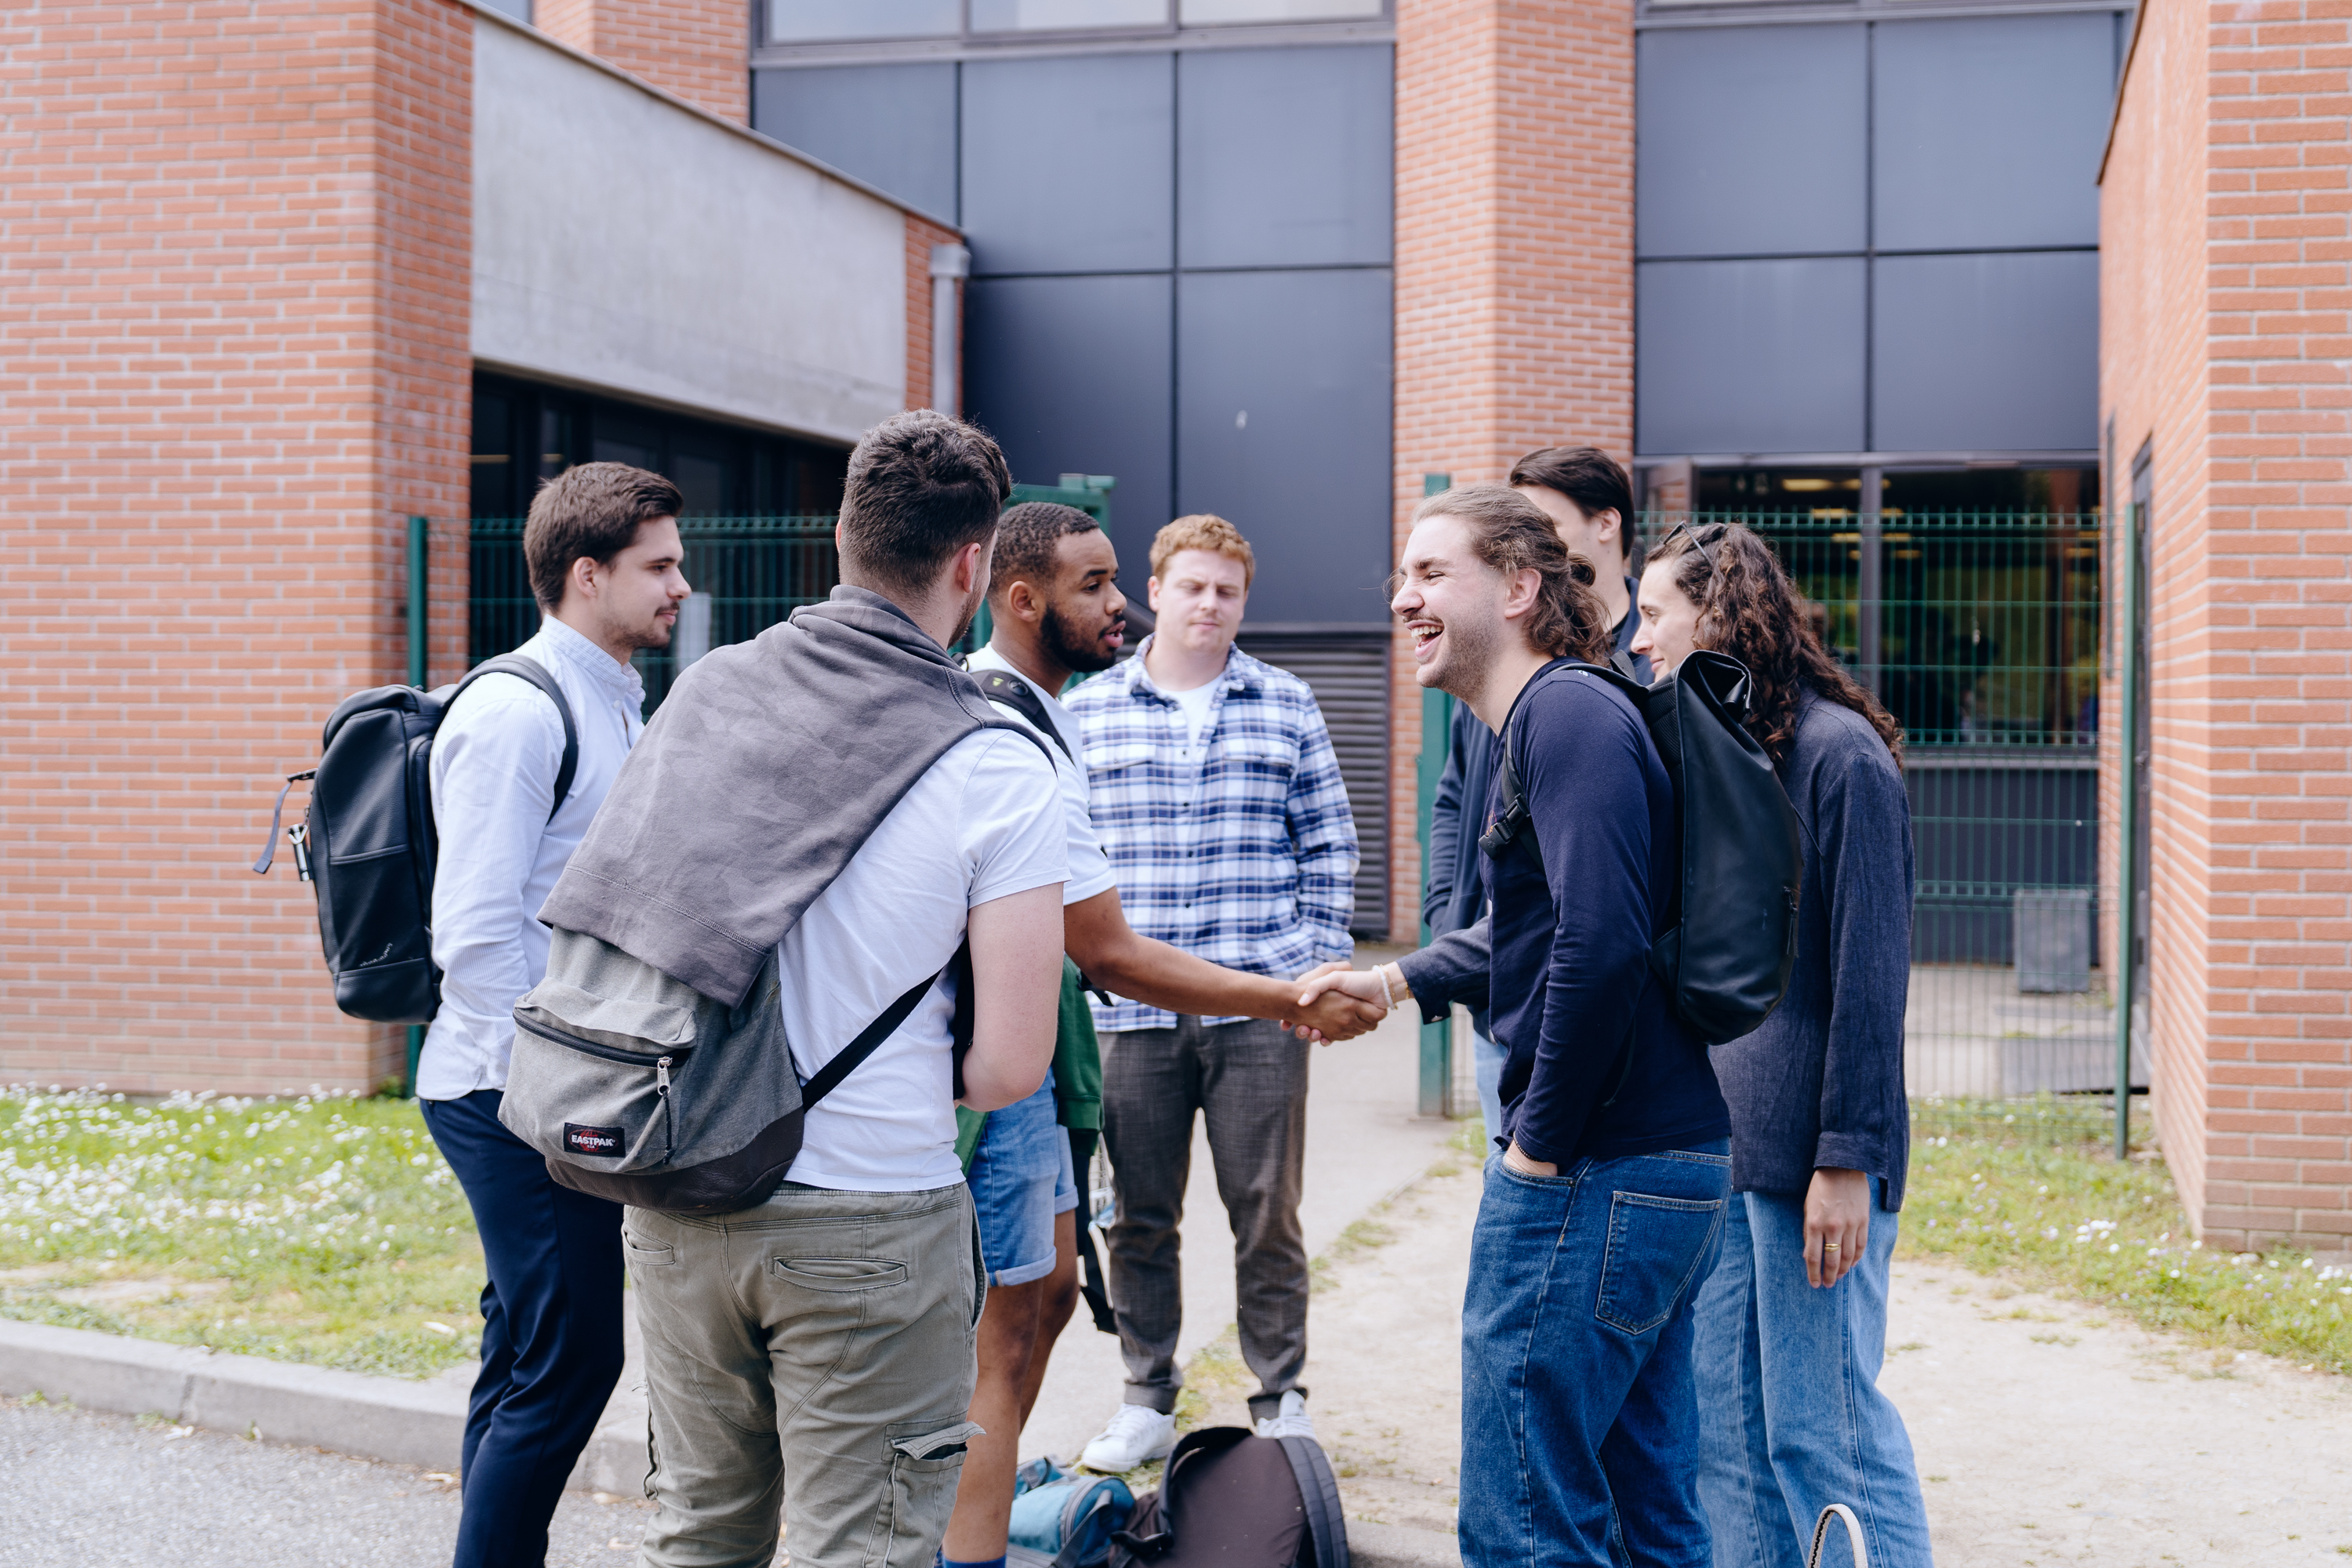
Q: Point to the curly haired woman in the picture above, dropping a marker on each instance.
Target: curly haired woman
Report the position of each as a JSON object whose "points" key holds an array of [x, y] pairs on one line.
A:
{"points": [[1792, 1324]]}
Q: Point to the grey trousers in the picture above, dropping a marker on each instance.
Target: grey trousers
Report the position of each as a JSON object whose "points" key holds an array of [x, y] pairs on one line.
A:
{"points": [[1250, 1079], [812, 1357]]}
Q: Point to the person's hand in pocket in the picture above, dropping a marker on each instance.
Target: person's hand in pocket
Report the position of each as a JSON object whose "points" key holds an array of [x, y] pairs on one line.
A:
{"points": [[1518, 1159]]}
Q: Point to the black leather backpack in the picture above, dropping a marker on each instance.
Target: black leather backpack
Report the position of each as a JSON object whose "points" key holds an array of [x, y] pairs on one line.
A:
{"points": [[1729, 939], [1230, 1499], [367, 842]]}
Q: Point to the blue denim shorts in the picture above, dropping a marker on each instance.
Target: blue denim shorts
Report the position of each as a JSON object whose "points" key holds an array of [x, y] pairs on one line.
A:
{"points": [[1020, 1177]]}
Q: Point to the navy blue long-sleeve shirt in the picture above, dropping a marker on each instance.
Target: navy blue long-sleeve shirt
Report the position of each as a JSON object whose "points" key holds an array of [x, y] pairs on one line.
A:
{"points": [[1569, 969], [1821, 1082]]}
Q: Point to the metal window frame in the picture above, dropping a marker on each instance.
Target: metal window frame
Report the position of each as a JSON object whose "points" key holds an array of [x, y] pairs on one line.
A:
{"points": [[967, 43]]}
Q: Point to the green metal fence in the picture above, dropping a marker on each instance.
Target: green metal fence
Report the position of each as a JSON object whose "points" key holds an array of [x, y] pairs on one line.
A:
{"points": [[748, 574], [1981, 632]]}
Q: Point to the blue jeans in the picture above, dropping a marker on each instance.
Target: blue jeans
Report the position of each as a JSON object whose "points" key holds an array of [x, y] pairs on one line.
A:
{"points": [[1487, 1060], [551, 1330], [1579, 1423], [1792, 1417]]}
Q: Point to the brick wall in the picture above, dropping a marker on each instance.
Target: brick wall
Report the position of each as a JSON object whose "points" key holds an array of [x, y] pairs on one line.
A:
{"points": [[921, 235], [2227, 349], [1513, 269], [233, 278], [699, 49]]}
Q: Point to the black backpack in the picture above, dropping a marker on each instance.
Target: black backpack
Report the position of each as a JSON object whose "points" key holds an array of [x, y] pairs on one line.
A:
{"points": [[1729, 938], [367, 842], [1230, 1499]]}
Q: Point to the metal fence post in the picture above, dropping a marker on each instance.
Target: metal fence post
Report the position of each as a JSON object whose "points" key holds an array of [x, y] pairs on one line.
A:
{"points": [[2127, 817], [1436, 729], [418, 602], [1871, 614]]}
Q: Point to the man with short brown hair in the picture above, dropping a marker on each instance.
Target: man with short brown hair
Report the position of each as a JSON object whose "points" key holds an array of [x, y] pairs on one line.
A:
{"points": [[1217, 795], [602, 548]]}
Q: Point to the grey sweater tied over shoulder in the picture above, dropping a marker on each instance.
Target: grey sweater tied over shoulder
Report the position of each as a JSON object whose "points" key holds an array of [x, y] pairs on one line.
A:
{"points": [[767, 767]]}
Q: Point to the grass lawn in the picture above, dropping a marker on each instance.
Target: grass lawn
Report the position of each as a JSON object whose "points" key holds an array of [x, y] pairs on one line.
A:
{"points": [[2032, 1188], [327, 1231], [330, 1231]]}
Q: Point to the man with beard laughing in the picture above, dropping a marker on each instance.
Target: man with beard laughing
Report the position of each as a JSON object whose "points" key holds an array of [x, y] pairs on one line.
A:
{"points": [[1057, 611]]}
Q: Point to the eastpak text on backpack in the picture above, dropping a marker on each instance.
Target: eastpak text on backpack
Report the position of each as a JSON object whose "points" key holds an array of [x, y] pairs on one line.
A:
{"points": [[1729, 939], [367, 845]]}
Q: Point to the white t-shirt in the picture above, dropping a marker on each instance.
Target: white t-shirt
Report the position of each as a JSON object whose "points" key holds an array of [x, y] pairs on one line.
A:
{"points": [[983, 824], [1194, 705], [1090, 872]]}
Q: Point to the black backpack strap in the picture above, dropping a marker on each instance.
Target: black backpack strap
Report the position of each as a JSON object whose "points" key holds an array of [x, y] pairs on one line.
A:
{"points": [[523, 667], [829, 1077], [1319, 1488], [1012, 691], [1516, 822], [1090, 1279]]}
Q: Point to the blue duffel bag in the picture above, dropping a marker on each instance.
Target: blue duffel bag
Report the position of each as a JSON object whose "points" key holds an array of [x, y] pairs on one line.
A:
{"points": [[1062, 1518]]}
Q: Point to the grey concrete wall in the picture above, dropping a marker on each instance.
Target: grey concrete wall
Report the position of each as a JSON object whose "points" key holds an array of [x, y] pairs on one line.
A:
{"points": [[625, 243]]}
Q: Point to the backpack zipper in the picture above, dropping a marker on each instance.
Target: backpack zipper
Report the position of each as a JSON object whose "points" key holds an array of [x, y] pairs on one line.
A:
{"points": [[608, 1053]]}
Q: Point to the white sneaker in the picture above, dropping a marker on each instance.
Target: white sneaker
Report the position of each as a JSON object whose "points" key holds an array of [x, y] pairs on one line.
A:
{"points": [[1290, 1421], [1136, 1435]]}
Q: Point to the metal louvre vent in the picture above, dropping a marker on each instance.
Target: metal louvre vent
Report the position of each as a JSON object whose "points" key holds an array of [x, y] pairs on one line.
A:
{"points": [[1348, 671]]}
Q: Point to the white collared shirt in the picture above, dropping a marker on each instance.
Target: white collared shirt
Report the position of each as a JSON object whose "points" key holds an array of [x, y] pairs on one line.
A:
{"points": [[495, 760]]}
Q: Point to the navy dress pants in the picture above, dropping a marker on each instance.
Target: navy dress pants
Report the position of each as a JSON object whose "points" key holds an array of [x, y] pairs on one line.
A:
{"points": [[551, 1330]]}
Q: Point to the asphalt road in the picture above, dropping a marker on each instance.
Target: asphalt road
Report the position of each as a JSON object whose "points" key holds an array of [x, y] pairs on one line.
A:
{"points": [[93, 1491]]}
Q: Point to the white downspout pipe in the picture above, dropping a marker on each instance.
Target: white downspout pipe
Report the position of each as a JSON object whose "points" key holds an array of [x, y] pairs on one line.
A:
{"points": [[950, 265]]}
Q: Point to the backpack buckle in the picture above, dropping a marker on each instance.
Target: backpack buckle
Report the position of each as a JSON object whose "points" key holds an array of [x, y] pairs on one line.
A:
{"points": [[1504, 830]]}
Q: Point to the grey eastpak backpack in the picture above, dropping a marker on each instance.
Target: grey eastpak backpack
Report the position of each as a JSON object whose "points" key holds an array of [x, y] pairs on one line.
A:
{"points": [[640, 1088]]}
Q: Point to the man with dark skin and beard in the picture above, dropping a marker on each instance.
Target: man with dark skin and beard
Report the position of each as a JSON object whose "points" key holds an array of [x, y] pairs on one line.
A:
{"points": [[1057, 611]]}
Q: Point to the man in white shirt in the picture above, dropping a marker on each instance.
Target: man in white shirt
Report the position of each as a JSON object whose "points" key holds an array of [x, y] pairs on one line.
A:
{"points": [[813, 1355], [1057, 611], [602, 550]]}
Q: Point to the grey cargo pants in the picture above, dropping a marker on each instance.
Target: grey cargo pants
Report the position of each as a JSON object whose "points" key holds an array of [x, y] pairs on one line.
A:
{"points": [[811, 1357], [1250, 1081]]}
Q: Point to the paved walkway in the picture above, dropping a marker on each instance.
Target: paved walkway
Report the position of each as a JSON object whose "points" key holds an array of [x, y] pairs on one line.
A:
{"points": [[2048, 1432], [84, 1490]]}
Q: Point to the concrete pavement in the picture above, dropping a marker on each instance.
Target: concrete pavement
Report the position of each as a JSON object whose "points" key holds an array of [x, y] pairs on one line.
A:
{"points": [[89, 1490]]}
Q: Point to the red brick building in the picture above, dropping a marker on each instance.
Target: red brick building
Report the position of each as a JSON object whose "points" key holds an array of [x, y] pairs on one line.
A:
{"points": [[276, 282], [251, 260], [2226, 395]]}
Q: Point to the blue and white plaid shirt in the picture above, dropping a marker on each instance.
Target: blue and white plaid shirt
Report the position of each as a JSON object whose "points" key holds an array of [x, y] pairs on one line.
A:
{"points": [[1244, 855]]}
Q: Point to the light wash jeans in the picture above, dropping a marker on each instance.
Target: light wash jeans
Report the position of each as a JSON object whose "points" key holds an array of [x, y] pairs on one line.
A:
{"points": [[1579, 1435], [1487, 1060], [1792, 1419]]}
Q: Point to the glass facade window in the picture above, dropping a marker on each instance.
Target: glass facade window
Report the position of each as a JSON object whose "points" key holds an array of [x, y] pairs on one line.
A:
{"points": [[1210, 13], [825, 21], [1040, 15]]}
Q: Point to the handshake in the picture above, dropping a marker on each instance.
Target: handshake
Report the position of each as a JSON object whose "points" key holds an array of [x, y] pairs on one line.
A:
{"points": [[1336, 1002]]}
